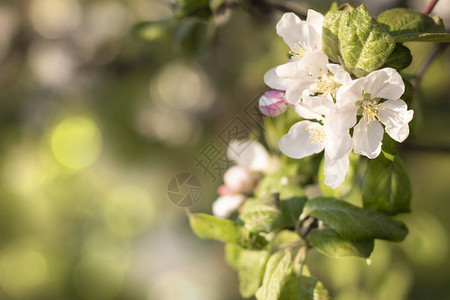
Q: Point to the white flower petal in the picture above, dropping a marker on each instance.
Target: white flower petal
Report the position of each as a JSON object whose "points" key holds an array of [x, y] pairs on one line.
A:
{"points": [[299, 142], [367, 138], [385, 83], [294, 91], [315, 19], [224, 206], [291, 70], [314, 64], [396, 116], [342, 119], [318, 105], [335, 170], [273, 81], [340, 75], [292, 29], [348, 94], [337, 146], [250, 154], [272, 103]]}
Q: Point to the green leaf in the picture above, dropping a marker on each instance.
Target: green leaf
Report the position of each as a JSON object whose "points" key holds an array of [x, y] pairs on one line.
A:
{"points": [[349, 182], [209, 227], [409, 92], [424, 37], [353, 222], [363, 44], [270, 184], [278, 269], [333, 6], [285, 238], [216, 4], [155, 30], [249, 264], [330, 31], [386, 185], [303, 288], [401, 21], [330, 243], [261, 215], [193, 36], [197, 8], [399, 59], [292, 201]]}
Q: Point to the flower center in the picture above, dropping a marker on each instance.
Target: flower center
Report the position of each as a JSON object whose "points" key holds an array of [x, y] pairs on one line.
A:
{"points": [[298, 51], [327, 85], [369, 108], [316, 135]]}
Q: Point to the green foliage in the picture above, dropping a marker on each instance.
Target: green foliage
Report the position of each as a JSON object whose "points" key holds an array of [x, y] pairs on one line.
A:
{"points": [[197, 8], [404, 22], [330, 243], [292, 201], [355, 223], [406, 25], [356, 40], [303, 288], [386, 186], [276, 274], [399, 59], [209, 227], [249, 264], [425, 37], [154, 30], [261, 215]]}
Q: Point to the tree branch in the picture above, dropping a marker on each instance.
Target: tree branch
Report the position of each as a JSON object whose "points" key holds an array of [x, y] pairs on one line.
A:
{"points": [[430, 6]]}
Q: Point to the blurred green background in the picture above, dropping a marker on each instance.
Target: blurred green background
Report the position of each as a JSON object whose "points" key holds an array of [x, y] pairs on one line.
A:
{"points": [[95, 121]]}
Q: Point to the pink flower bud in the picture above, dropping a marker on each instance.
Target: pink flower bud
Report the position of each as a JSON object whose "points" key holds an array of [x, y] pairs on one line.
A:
{"points": [[272, 103], [224, 190], [239, 179]]}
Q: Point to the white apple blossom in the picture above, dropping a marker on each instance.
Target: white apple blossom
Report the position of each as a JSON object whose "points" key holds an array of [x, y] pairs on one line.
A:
{"points": [[376, 98], [303, 38], [239, 179], [250, 154], [224, 206], [306, 138]]}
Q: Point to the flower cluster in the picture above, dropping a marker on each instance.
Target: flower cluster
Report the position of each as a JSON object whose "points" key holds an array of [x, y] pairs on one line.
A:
{"points": [[240, 179], [331, 102]]}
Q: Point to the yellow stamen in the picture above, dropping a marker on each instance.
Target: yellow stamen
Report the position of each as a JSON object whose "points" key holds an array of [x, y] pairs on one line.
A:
{"points": [[327, 85], [316, 135], [370, 110], [298, 51]]}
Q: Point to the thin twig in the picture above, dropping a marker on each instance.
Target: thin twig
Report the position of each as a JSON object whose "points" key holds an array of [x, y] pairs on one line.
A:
{"points": [[419, 147], [437, 50], [430, 6]]}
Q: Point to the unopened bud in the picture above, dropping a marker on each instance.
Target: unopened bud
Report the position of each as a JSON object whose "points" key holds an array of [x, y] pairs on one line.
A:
{"points": [[272, 103]]}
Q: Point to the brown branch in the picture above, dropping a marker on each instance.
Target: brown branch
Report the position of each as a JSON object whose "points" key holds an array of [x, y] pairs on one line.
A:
{"points": [[430, 7], [437, 50]]}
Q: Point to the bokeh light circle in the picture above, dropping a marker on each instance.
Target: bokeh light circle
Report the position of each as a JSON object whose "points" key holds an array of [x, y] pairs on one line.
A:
{"points": [[76, 142], [21, 270]]}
